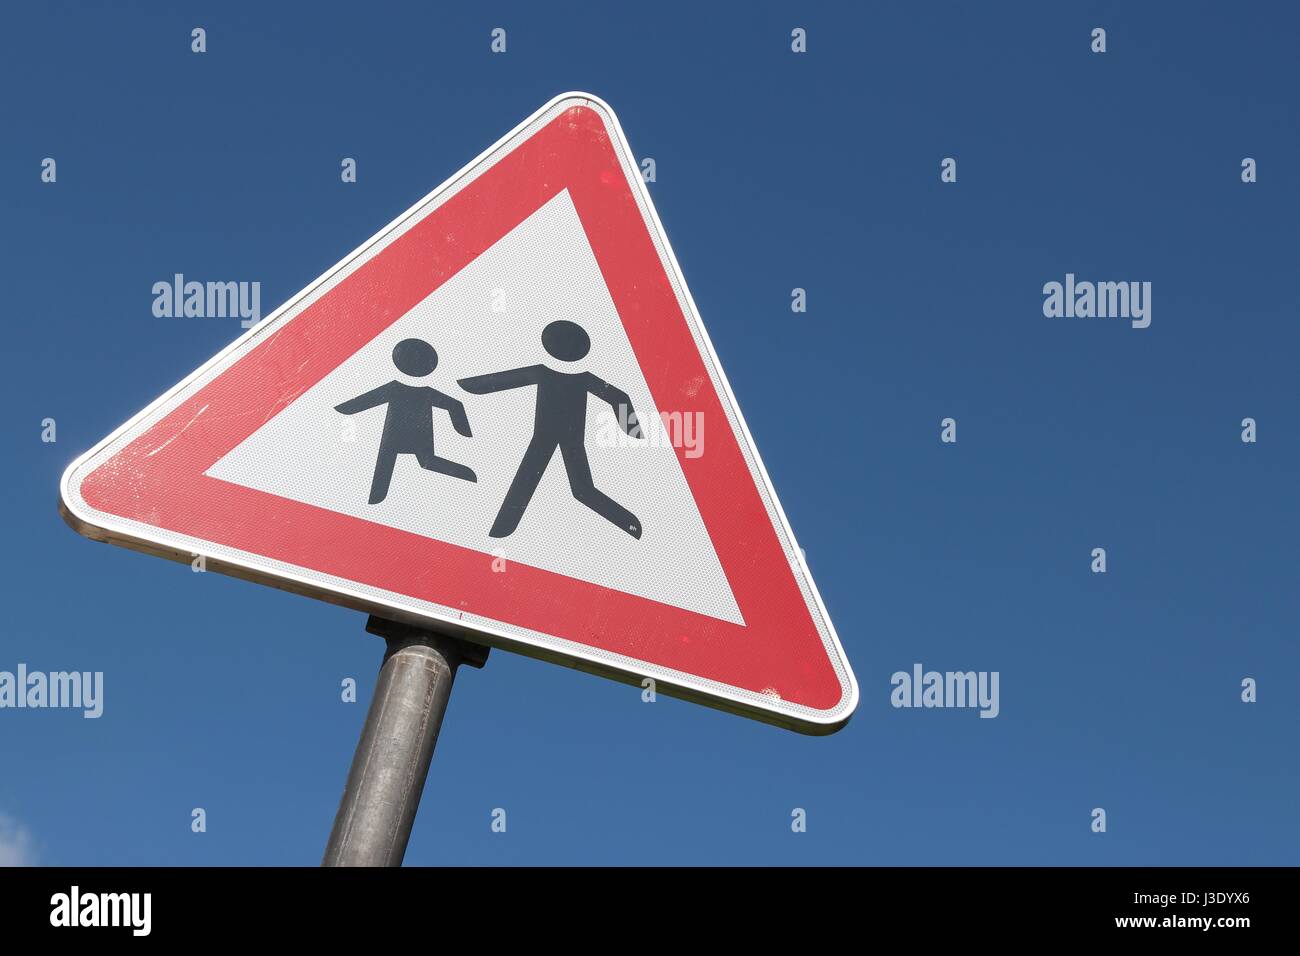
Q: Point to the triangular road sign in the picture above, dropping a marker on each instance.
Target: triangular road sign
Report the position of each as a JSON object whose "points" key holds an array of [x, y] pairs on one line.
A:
{"points": [[502, 418]]}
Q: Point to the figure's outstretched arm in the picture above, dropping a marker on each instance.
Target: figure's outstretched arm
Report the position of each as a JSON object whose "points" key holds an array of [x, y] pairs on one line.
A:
{"points": [[619, 401], [376, 396], [500, 381], [455, 409]]}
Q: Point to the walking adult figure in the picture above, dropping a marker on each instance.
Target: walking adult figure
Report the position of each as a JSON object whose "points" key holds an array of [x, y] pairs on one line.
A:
{"points": [[560, 423]]}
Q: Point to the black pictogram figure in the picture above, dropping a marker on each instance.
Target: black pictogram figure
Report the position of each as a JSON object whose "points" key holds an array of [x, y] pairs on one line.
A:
{"points": [[560, 422], [408, 427]]}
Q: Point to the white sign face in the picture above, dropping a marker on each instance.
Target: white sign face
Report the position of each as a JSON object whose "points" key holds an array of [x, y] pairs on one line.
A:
{"points": [[544, 267], [501, 418]]}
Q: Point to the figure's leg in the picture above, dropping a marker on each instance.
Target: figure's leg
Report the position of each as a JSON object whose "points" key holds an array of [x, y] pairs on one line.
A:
{"points": [[536, 458], [431, 462], [383, 475], [584, 489]]}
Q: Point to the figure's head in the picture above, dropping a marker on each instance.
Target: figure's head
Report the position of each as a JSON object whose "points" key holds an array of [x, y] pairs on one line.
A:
{"points": [[565, 340], [415, 357]]}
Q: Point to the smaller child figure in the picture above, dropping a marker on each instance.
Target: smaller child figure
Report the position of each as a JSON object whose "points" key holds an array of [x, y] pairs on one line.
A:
{"points": [[408, 427]]}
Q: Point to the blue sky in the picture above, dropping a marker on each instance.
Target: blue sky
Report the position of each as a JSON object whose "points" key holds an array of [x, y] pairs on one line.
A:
{"points": [[774, 170]]}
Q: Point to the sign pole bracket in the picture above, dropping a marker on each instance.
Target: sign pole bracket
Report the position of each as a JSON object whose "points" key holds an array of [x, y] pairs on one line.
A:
{"points": [[392, 759]]}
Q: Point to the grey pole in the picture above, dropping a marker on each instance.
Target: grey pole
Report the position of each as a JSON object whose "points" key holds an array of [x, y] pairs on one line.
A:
{"points": [[388, 770]]}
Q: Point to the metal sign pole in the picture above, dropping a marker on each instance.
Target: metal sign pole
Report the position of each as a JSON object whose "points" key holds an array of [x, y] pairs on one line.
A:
{"points": [[388, 771]]}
